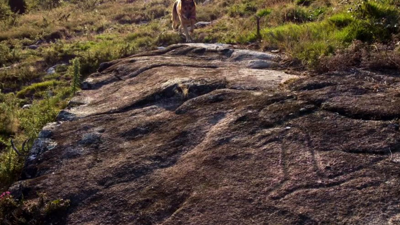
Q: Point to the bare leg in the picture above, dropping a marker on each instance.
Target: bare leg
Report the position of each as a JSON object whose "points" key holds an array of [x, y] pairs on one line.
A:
{"points": [[188, 38], [175, 25], [191, 27]]}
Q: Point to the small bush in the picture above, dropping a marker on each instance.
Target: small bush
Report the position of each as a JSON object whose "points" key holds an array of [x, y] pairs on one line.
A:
{"points": [[359, 54], [136, 35], [242, 9], [39, 212], [306, 42], [37, 89], [341, 20], [9, 114], [247, 37], [13, 78], [296, 15], [263, 12], [41, 112], [374, 20], [312, 52], [299, 14], [8, 55], [168, 38], [156, 12], [26, 31], [205, 13], [144, 41], [5, 11]]}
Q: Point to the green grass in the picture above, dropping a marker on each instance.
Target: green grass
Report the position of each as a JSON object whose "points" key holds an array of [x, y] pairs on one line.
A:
{"points": [[23, 124], [341, 20], [307, 42], [242, 9], [37, 89]]}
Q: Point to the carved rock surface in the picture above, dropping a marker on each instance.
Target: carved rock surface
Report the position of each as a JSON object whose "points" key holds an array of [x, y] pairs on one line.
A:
{"points": [[190, 135]]}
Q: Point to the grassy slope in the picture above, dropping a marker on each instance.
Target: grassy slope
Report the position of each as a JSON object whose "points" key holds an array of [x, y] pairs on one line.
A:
{"points": [[101, 30]]}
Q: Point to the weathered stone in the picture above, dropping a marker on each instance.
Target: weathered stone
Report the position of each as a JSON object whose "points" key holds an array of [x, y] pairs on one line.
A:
{"points": [[47, 131], [71, 153], [33, 47], [90, 138], [103, 66], [51, 70], [202, 24], [261, 64], [241, 55], [65, 116], [40, 146], [189, 135], [26, 106]]}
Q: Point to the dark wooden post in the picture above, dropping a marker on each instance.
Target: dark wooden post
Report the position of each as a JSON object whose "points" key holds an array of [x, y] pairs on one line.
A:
{"points": [[258, 27]]}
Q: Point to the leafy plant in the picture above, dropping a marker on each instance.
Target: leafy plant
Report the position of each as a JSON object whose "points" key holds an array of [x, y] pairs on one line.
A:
{"points": [[37, 89], [341, 20], [242, 9], [374, 20], [263, 12], [8, 55], [14, 211], [5, 11]]}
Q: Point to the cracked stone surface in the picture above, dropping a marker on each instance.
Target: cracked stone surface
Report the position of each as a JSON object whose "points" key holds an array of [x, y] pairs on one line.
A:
{"points": [[191, 134]]}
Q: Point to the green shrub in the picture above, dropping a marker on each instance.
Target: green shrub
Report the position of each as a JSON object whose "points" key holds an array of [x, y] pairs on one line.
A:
{"points": [[247, 38], [136, 35], [10, 167], [341, 20], [263, 12], [14, 211], [311, 52], [8, 55], [43, 4], [5, 11], [40, 113], [59, 50], [374, 20], [155, 12], [13, 78], [9, 122], [300, 14], [167, 38], [26, 123], [205, 13], [144, 41], [37, 89], [307, 42], [242, 9]]}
